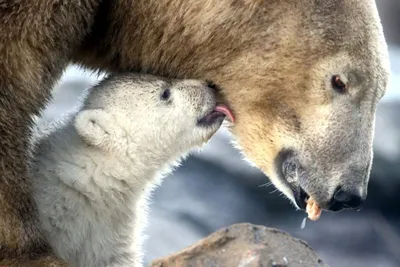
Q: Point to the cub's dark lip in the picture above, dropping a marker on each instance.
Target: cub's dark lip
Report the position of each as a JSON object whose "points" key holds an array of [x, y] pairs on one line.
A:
{"points": [[216, 115], [211, 118]]}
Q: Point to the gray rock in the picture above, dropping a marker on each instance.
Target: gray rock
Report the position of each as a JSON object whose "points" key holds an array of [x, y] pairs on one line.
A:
{"points": [[245, 245]]}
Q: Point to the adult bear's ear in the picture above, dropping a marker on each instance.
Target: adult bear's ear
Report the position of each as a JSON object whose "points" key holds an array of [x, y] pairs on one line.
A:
{"points": [[98, 128]]}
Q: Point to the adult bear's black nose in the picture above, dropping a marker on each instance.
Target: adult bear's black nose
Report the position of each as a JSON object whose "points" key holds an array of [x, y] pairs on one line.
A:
{"points": [[344, 199]]}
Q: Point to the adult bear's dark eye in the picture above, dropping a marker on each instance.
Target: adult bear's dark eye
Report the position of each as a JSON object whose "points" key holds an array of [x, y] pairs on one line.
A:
{"points": [[338, 84], [166, 94]]}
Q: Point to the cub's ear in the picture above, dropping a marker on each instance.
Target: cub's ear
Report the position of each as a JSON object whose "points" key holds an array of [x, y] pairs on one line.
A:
{"points": [[97, 128]]}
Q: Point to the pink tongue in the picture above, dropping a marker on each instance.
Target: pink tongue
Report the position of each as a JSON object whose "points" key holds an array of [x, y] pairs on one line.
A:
{"points": [[224, 109]]}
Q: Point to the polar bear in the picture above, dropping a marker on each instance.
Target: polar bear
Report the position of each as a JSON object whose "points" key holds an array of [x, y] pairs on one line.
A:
{"points": [[302, 77], [94, 171]]}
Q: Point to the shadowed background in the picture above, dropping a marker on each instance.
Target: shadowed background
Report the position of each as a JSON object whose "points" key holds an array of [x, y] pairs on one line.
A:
{"points": [[215, 187]]}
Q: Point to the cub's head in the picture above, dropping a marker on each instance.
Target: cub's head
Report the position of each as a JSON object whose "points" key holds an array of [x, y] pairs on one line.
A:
{"points": [[141, 111]]}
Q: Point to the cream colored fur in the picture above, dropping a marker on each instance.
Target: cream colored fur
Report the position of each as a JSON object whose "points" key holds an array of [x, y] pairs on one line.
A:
{"points": [[93, 172]]}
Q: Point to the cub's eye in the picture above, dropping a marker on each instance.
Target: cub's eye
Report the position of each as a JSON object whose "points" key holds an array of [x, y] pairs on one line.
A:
{"points": [[165, 94], [338, 84]]}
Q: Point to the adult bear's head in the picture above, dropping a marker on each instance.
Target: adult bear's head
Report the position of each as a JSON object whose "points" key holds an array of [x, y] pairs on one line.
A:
{"points": [[302, 77]]}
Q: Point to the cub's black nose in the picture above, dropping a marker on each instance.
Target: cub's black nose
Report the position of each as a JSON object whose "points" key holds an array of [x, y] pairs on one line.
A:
{"points": [[213, 86], [343, 199]]}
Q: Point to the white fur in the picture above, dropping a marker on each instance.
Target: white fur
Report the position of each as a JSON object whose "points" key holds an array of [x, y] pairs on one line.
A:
{"points": [[94, 171]]}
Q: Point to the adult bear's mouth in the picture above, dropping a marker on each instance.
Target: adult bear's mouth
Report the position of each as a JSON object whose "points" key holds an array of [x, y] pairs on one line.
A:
{"points": [[216, 115], [289, 170], [301, 197]]}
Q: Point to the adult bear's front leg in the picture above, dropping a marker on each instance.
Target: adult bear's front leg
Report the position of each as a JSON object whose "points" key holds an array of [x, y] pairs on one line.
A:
{"points": [[36, 41]]}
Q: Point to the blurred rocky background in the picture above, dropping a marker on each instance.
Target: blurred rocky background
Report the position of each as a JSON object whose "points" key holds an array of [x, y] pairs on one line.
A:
{"points": [[215, 188]]}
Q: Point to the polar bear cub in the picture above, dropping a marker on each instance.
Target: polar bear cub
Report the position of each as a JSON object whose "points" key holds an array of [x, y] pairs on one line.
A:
{"points": [[93, 171]]}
